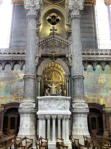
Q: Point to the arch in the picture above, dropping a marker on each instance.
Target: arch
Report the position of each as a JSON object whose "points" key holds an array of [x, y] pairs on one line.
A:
{"points": [[6, 108], [95, 119], [61, 10], [10, 105], [96, 106], [44, 63]]}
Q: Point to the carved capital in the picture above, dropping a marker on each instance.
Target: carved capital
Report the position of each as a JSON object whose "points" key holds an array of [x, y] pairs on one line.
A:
{"points": [[32, 7], [53, 116], [77, 77], [60, 117], [74, 7], [41, 117], [48, 117]]}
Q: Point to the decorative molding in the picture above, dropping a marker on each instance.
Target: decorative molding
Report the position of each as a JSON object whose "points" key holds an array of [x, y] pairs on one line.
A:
{"points": [[31, 76], [32, 7], [74, 8], [93, 57]]}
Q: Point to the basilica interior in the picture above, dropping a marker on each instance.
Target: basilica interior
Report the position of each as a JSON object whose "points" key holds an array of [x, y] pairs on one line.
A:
{"points": [[55, 77]]}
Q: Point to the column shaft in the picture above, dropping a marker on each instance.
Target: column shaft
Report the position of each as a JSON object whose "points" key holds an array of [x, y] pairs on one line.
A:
{"points": [[53, 129], [77, 68], [38, 85], [48, 129], [63, 128], [42, 126], [67, 86], [67, 129], [59, 128], [30, 67]]}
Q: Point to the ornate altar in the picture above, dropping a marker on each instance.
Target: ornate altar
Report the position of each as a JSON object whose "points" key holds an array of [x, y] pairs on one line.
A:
{"points": [[54, 80]]}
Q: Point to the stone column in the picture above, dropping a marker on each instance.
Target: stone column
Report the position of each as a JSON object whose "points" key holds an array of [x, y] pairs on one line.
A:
{"points": [[67, 128], [42, 124], [27, 107], [38, 85], [63, 128], [53, 128], [59, 126], [79, 106], [48, 127], [67, 85]]}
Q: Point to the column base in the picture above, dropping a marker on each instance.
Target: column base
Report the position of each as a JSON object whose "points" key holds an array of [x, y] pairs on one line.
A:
{"points": [[52, 145], [68, 143], [80, 124], [27, 110]]}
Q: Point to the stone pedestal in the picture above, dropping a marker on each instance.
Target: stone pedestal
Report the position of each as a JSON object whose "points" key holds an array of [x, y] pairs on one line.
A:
{"points": [[27, 112], [80, 127], [54, 110]]}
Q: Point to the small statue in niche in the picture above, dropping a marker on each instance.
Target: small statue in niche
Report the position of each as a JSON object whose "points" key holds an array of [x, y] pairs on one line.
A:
{"points": [[53, 89]]}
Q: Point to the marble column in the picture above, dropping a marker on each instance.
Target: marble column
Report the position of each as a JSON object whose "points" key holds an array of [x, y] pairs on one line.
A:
{"points": [[59, 126], [38, 84], [63, 128], [67, 128], [42, 126], [67, 85], [79, 106], [53, 128], [27, 107], [48, 127]]}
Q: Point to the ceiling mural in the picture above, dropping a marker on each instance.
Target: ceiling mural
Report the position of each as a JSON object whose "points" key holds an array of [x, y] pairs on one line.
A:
{"points": [[98, 85]]}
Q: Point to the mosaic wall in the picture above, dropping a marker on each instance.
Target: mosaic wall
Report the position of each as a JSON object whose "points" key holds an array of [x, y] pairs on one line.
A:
{"points": [[11, 84], [97, 85]]}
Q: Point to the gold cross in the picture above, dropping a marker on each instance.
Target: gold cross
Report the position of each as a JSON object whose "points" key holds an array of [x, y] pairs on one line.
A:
{"points": [[53, 30]]}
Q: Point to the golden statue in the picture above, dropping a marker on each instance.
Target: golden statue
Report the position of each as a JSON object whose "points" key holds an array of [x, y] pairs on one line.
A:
{"points": [[54, 79]]}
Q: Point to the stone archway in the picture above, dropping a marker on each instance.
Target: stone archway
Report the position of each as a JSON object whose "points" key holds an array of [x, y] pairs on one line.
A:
{"points": [[54, 80], [9, 118], [95, 119], [64, 70]]}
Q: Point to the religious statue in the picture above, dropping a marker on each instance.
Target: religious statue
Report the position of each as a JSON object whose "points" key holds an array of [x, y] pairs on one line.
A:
{"points": [[53, 89]]}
